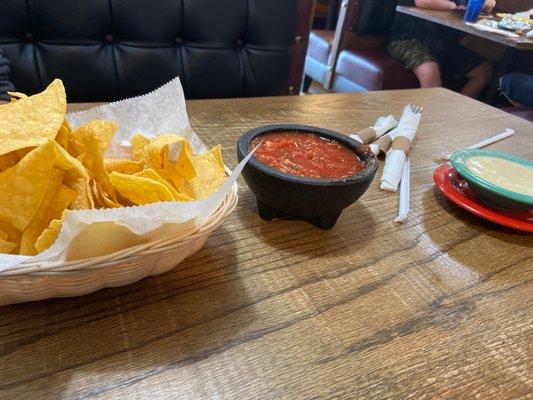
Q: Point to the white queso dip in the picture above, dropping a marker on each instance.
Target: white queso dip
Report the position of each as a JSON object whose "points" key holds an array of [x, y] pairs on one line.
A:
{"points": [[504, 173]]}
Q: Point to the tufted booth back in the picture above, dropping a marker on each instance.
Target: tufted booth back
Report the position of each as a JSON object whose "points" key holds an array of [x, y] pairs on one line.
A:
{"points": [[110, 49]]}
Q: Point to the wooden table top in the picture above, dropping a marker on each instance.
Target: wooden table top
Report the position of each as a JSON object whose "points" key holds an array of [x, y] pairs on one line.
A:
{"points": [[455, 21], [439, 307]]}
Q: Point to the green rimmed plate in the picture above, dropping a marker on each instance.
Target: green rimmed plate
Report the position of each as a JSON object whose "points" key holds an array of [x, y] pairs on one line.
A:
{"points": [[489, 192]]}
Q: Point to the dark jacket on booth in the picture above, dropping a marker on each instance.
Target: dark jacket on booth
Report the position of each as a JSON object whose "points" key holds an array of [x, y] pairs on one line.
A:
{"points": [[5, 84]]}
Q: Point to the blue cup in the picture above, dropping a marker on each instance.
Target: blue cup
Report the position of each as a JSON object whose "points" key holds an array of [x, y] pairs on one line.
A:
{"points": [[473, 9]]}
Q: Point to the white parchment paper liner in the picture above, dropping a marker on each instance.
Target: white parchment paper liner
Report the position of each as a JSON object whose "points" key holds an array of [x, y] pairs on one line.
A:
{"points": [[158, 112]]}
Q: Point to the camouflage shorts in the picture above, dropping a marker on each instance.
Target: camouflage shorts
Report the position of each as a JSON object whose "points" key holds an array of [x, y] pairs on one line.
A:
{"points": [[410, 52]]}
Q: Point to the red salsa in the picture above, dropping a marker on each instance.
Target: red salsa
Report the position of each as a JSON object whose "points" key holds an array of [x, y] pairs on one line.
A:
{"points": [[306, 154]]}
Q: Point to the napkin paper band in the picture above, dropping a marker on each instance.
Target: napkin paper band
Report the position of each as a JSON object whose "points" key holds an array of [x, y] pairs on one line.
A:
{"points": [[367, 135], [382, 145], [401, 143]]}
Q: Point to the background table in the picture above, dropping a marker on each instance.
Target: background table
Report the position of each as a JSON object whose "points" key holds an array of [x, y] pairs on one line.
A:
{"points": [[455, 21], [439, 307]]}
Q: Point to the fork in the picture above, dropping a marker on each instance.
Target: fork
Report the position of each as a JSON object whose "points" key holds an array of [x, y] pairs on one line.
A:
{"points": [[416, 109]]}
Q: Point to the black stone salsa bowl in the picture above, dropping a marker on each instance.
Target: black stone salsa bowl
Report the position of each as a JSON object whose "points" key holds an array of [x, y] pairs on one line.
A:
{"points": [[317, 201]]}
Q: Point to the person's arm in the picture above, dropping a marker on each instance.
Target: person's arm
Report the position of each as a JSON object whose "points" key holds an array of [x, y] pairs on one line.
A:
{"points": [[443, 5], [5, 84]]}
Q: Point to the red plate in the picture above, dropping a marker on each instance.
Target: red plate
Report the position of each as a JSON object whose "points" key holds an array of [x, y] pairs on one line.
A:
{"points": [[456, 189]]}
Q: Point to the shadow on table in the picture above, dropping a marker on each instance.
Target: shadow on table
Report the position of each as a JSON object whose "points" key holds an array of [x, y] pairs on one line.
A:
{"points": [[356, 224], [477, 226], [89, 345]]}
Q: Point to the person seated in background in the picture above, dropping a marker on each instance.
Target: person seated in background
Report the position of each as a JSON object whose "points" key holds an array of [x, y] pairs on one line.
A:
{"points": [[432, 51], [518, 89], [5, 84]]}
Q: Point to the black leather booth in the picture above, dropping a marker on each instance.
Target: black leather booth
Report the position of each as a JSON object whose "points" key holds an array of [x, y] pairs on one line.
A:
{"points": [[111, 49]]}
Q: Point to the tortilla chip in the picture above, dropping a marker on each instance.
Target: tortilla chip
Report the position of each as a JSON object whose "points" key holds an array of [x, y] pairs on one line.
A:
{"points": [[76, 177], [123, 166], [28, 181], [11, 159], [106, 201], [84, 199], [171, 151], [100, 131], [183, 186], [138, 148], [7, 161], [33, 120], [100, 199], [95, 194], [88, 143], [170, 156], [7, 247], [63, 135], [140, 190], [56, 200], [39, 217], [151, 174], [210, 173], [49, 235], [9, 234], [17, 95]]}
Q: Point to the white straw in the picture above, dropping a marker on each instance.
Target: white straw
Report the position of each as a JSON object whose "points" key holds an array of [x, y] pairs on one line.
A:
{"points": [[404, 192], [500, 136], [508, 132]]}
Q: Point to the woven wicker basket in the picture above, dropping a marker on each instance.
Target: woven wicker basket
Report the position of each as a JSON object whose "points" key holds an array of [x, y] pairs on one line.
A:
{"points": [[43, 280]]}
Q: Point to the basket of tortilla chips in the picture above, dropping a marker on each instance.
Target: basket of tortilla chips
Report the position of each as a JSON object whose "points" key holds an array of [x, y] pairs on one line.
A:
{"points": [[102, 197]]}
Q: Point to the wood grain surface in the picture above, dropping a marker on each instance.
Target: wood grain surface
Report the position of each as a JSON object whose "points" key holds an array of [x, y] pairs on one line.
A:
{"points": [[455, 20], [437, 308]]}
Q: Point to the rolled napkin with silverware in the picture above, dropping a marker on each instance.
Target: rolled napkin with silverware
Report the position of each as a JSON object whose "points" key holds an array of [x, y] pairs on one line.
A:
{"points": [[382, 126], [401, 143]]}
